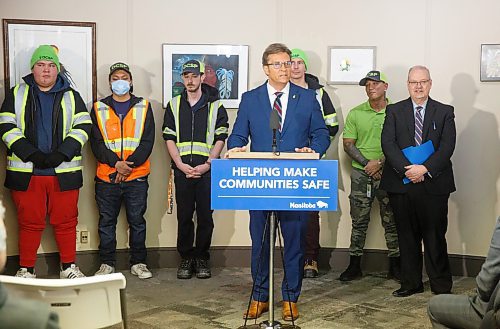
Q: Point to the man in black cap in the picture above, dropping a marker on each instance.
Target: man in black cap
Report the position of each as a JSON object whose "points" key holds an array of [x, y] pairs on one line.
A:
{"points": [[361, 139], [195, 128], [123, 134]]}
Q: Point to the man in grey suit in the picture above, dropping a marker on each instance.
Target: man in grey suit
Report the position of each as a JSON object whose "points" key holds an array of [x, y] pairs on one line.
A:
{"points": [[464, 312]]}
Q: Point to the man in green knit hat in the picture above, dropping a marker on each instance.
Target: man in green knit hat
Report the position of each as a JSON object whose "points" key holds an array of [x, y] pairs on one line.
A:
{"points": [[44, 123], [305, 80]]}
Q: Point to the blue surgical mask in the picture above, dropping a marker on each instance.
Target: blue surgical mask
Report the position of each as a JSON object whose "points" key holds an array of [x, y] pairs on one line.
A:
{"points": [[120, 87]]}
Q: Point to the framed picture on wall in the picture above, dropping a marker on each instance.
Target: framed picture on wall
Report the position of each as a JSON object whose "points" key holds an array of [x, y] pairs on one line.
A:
{"points": [[490, 62], [348, 65], [226, 68], [75, 42]]}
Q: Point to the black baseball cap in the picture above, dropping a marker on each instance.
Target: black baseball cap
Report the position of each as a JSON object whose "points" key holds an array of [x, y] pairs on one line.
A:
{"points": [[119, 66], [193, 66], [374, 76]]}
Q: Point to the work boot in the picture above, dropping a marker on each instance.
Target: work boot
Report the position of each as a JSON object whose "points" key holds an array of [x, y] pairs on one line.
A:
{"points": [[353, 271], [311, 269], [394, 269], [185, 269]]}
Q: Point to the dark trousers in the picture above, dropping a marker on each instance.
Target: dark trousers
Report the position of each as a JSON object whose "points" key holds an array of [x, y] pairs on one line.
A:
{"points": [[109, 198], [193, 194], [293, 228], [312, 236], [421, 216]]}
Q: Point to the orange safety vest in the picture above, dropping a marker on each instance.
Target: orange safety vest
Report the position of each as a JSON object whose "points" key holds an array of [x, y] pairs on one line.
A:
{"points": [[122, 138]]}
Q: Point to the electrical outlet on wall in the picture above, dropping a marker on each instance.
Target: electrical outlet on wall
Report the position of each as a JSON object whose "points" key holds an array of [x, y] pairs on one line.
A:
{"points": [[84, 236]]}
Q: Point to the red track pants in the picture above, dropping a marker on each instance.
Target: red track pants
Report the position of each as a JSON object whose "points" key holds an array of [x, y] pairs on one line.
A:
{"points": [[43, 197]]}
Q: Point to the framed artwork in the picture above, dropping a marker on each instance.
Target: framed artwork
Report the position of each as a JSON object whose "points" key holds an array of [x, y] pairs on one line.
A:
{"points": [[76, 44], [490, 62], [348, 65], [226, 68]]}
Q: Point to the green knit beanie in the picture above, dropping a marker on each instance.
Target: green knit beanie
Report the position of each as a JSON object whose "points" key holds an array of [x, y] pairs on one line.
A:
{"points": [[45, 53], [299, 53]]}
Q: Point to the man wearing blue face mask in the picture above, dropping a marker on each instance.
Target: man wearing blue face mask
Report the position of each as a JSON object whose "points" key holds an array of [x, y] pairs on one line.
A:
{"points": [[122, 139]]}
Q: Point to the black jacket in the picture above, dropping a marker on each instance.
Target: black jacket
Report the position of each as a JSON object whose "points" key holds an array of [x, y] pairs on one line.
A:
{"points": [[26, 146], [399, 132], [326, 103], [141, 153], [193, 126]]}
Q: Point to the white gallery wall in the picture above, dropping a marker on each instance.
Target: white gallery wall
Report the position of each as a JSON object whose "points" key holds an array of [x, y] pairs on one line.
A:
{"points": [[444, 35]]}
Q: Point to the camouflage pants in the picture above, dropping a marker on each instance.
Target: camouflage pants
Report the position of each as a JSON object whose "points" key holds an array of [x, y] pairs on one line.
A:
{"points": [[361, 199]]}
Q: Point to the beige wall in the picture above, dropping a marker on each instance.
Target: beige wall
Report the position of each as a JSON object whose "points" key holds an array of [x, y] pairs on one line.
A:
{"points": [[445, 35]]}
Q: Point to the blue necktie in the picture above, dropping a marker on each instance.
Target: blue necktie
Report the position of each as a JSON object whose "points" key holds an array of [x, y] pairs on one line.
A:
{"points": [[419, 124], [277, 106]]}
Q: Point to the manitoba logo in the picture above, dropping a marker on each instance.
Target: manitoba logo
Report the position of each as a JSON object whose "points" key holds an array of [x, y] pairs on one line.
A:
{"points": [[322, 204], [309, 205]]}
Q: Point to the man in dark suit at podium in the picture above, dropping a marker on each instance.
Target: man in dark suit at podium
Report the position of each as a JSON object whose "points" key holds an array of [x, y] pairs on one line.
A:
{"points": [[301, 129], [421, 206]]}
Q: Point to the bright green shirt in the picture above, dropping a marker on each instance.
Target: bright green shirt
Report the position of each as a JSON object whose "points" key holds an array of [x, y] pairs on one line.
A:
{"points": [[364, 125]]}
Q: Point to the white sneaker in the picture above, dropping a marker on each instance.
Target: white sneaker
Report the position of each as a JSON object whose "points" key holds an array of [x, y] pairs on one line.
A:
{"points": [[105, 269], [23, 273], [141, 270], [71, 272]]}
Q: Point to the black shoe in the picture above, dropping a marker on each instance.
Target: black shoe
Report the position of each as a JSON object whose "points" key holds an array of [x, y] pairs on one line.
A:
{"points": [[394, 269], [442, 293], [185, 269], [408, 292], [203, 269], [311, 269], [353, 271]]}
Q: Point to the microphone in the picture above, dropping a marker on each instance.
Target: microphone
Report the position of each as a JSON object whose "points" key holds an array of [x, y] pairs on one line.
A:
{"points": [[274, 124]]}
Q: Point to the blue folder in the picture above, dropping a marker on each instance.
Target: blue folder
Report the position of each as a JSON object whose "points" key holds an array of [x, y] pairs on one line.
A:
{"points": [[418, 154]]}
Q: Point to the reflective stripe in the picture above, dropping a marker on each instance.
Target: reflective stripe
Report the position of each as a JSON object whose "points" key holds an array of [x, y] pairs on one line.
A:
{"points": [[199, 148], [129, 143], [20, 98], [331, 120], [68, 104], [193, 148], [11, 136], [73, 165], [16, 164], [212, 120], [319, 97], [174, 106], [68, 112]]}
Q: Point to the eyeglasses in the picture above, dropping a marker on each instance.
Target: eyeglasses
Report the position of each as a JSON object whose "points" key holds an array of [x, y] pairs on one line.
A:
{"points": [[277, 65], [418, 83]]}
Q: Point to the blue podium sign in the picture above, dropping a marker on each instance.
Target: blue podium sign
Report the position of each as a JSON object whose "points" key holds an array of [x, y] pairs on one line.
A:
{"points": [[257, 184]]}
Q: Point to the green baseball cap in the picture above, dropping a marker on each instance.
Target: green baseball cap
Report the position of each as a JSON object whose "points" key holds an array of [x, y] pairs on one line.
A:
{"points": [[299, 53], [45, 53]]}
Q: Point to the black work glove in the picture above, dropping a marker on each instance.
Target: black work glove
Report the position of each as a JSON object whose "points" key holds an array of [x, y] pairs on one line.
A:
{"points": [[38, 158], [54, 159]]}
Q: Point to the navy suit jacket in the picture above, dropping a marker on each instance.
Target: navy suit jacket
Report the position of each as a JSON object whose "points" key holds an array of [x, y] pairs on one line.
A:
{"points": [[399, 133], [304, 124]]}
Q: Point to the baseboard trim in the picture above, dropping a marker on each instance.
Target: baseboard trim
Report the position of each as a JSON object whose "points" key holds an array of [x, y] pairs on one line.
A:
{"points": [[329, 258]]}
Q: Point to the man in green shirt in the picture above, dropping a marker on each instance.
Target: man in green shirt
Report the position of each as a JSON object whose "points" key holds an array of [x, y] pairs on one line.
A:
{"points": [[361, 140]]}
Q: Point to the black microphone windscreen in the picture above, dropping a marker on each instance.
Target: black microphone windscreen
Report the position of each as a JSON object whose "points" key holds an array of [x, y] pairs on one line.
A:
{"points": [[274, 120]]}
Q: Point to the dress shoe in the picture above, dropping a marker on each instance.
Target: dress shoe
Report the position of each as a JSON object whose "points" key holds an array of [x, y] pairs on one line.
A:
{"points": [[256, 309], [442, 292], [290, 311], [408, 292]]}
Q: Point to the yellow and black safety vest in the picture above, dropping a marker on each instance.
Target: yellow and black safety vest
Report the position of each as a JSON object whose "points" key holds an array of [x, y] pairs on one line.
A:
{"points": [[70, 119]]}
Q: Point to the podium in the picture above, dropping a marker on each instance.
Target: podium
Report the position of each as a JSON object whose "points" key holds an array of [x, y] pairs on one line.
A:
{"points": [[273, 182]]}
